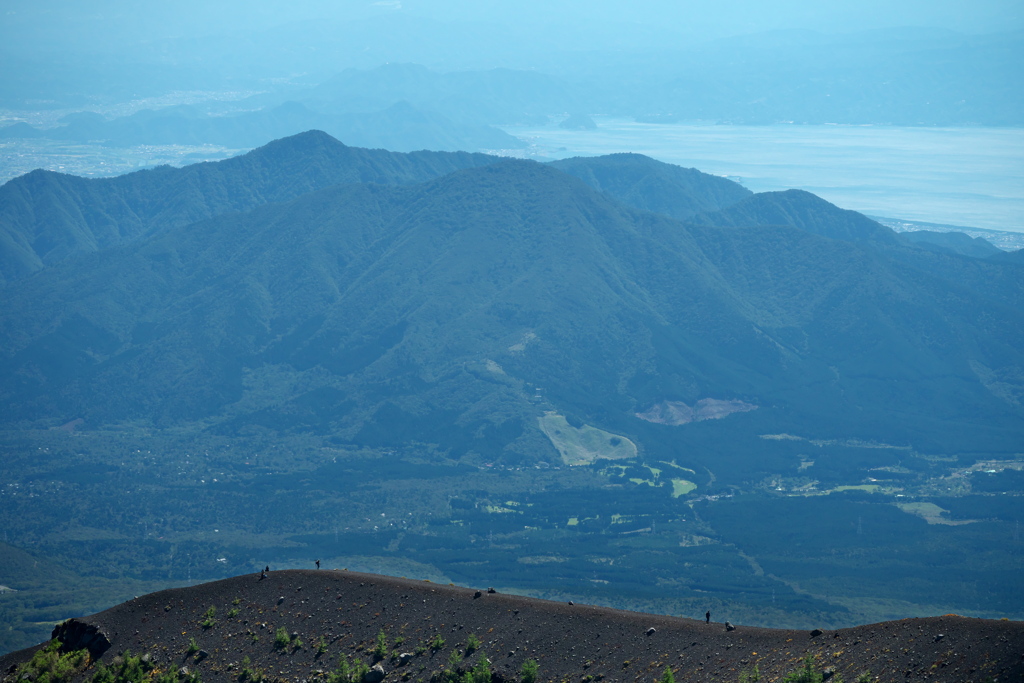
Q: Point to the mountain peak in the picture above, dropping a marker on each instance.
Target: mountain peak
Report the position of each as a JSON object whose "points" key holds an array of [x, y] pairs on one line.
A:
{"points": [[301, 142]]}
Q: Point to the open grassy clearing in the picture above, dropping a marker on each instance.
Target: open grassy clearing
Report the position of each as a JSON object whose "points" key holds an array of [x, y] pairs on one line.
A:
{"points": [[680, 487], [586, 444], [868, 488], [931, 513]]}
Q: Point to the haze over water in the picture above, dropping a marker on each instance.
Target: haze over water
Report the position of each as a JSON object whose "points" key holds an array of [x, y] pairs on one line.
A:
{"points": [[953, 176]]}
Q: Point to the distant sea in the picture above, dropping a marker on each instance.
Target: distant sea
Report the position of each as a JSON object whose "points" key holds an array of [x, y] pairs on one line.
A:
{"points": [[945, 176]]}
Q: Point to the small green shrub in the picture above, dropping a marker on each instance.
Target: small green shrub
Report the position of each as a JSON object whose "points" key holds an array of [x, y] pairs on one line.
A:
{"points": [[232, 613], [50, 666], [437, 643], [249, 673], [380, 650], [342, 673], [472, 644], [528, 674], [359, 670], [281, 639], [752, 676], [129, 668], [193, 647], [347, 672], [808, 674], [481, 673], [668, 676], [208, 618]]}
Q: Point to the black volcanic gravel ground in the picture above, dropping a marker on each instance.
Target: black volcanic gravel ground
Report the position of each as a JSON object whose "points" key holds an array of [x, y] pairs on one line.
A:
{"points": [[570, 642]]}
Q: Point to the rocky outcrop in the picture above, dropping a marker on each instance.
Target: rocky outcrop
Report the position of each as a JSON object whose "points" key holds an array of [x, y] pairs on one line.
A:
{"points": [[78, 635], [375, 674]]}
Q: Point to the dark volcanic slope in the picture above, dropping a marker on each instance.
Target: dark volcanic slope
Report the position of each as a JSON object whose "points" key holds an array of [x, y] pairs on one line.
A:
{"points": [[347, 610]]}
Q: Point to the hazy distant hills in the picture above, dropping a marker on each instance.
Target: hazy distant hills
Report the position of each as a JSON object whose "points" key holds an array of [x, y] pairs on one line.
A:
{"points": [[397, 126], [896, 76], [901, 76], [493, 95], [437, 312]]}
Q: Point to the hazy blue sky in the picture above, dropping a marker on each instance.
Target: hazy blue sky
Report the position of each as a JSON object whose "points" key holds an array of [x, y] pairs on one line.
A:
{"points": [[104, 24]]}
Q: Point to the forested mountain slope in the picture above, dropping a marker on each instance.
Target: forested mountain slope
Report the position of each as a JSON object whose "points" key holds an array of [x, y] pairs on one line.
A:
{"points": [[649, 185], [381, 314], [801, 210]]}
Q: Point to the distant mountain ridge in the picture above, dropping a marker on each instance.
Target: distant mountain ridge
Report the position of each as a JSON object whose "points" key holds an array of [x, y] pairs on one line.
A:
{"points": [[384, 313], [496, 96], [46, 217]]}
